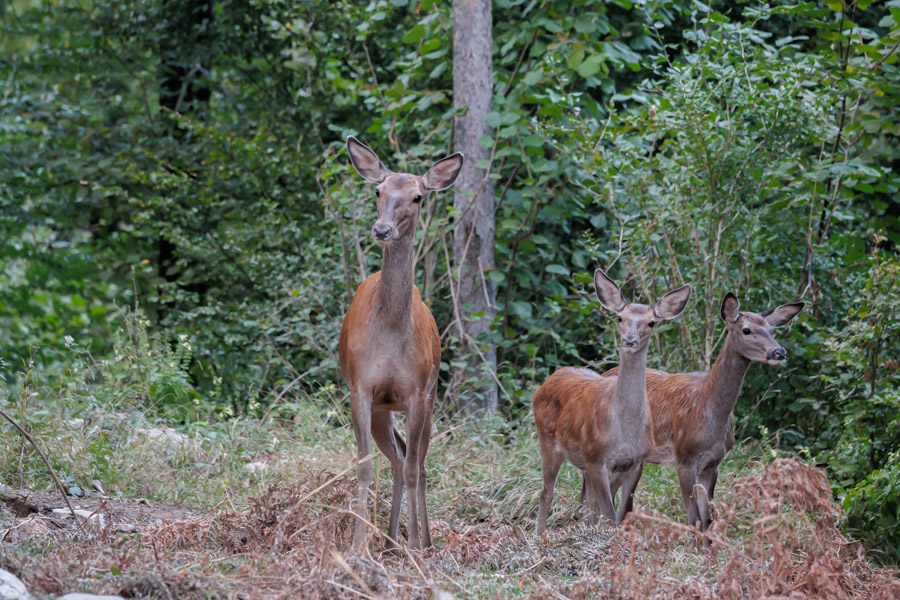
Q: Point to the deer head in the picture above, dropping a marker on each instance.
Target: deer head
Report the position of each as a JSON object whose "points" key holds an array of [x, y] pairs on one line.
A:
{"points": [[636, 321], [751, 333], [399, 195]]}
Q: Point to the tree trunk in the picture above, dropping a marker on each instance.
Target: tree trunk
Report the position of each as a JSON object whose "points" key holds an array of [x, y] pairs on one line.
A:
{"points": [[473, 235]]}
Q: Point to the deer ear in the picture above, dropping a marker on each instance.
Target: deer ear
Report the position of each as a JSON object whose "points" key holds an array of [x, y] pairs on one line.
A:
{"points": [[731, 308], [443, 173], [778, 316], [672, 304], [366, 162], [608, 292]]}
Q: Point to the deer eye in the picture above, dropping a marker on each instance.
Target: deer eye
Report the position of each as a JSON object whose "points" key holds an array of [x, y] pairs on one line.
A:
{"points": [[746, 331], [652, 323], [417, 199], [620, 319], [377, 193]]}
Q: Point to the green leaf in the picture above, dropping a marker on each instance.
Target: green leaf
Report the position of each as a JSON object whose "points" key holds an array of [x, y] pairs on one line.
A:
{"points": [[414, 35], [557, 270], [492, 119], [591, 66]]}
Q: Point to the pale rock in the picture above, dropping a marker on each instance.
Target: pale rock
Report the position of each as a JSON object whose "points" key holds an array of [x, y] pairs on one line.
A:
{"points": [[76, 596], [164, 436], [257, 467], [12, 588], [84, 514]]}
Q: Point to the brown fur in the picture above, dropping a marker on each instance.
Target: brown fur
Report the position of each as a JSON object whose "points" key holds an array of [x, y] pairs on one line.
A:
{"points": [[571, 408], [423, 351]]}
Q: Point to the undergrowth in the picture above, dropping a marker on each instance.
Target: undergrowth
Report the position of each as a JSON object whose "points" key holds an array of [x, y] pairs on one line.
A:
{"points": [[201, 504]]}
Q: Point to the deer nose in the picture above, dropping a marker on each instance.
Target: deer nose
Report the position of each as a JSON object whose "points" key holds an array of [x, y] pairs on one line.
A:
{"points": [[778, 353], [630, 341], [381, 234]]}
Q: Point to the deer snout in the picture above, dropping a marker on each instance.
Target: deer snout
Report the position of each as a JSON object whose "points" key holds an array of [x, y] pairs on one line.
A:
{"points": [[630, 340], [381, 232], [778, 354]]}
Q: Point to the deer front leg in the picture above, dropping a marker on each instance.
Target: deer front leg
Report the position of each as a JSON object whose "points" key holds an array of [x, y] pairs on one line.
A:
{"points": [[393, 447], [415, 424], [361, 413], [629, 484], [597, 477]]}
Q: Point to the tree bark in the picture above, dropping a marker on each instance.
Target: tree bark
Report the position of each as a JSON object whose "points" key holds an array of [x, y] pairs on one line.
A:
{"points": [[473, 236]]}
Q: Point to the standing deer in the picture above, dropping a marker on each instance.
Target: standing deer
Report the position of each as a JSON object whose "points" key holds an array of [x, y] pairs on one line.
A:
{"points": [[693, 423], [390, 348], [602, 424]]}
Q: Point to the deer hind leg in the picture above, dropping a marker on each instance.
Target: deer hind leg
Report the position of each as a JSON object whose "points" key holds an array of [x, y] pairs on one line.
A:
{"points": [[687, 477], [415, 426], [424, 441], [361, 413], [392, 445], [597, 477], [707, 480], [582, 498], [551, 461], [629, 484]]}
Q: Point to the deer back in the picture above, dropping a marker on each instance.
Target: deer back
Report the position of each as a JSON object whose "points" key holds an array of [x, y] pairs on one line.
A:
{"points": [[572, 409]]}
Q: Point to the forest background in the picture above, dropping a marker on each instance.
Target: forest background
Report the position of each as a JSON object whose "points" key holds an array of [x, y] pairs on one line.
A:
{"points": [[181, 230]]}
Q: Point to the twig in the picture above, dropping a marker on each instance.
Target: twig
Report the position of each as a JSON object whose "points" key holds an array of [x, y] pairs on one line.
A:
{"points": [[281, 394], [349, 589], [43, 457], [340, 560]]}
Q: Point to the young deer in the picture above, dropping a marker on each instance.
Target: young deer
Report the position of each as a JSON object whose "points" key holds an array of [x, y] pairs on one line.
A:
{"points": [[602, 424], [693, 424], [390, 349]]}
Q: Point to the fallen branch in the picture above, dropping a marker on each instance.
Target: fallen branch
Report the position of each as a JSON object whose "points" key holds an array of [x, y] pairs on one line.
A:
{"points": [[43, 458]]}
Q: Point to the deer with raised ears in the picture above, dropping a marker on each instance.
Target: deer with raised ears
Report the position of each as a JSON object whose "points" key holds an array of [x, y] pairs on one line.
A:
{"points": [[390, 348], [693, 423], [602, 424]]}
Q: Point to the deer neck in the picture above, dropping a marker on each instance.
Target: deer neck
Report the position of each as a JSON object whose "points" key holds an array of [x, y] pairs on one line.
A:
{"points": [[724, 381], [631, 386], [395, 287]]}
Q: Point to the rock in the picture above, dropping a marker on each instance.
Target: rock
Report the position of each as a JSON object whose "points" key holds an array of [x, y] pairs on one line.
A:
{"points": [[126, 528], [164, 435], [442, 595], [76, 596], [75, 490], [12, 588], [84, 514], [257, 466]]}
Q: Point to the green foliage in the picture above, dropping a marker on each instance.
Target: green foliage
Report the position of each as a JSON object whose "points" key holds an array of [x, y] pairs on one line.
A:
{"points": [[862, 384]]}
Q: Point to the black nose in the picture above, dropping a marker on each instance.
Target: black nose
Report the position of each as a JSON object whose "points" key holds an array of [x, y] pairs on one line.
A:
{"points": [[381, 234], [630, 342], [778, 353]]}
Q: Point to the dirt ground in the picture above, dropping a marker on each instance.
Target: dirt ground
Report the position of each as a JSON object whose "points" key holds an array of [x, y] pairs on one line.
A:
{"points": [[776, 536]]}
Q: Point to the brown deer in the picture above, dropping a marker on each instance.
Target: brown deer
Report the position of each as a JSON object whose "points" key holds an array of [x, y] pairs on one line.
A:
{"points": [[602, 424], [693, 423], [390, 348]]}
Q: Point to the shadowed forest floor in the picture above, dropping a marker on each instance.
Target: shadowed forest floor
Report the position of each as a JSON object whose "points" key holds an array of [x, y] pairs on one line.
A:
{"points": [[249, 510]]}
